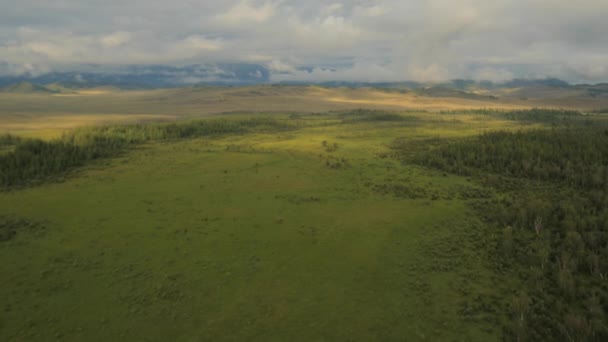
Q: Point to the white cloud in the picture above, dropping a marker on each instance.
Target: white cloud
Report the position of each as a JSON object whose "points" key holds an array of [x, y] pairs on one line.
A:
{"points": [[246, 12], [195, 44], [333, 8], [7, 69], [343, 39], [492, 74], [359, 72], [281, 67], [115, 39]]}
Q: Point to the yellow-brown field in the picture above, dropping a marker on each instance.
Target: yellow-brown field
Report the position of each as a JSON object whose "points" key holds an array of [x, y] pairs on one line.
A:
{"points": [[50, 114]]}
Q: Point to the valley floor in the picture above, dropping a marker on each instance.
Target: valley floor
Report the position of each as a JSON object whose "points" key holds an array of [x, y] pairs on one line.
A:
{"points": [[255, 237]]}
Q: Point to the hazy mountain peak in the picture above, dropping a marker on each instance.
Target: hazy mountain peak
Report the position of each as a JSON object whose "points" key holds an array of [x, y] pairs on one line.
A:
{"points": [[25, 87]]}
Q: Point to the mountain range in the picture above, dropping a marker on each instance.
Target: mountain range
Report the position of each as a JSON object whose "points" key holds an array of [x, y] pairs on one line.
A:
{"points": [[239, 74], [150, 76]]}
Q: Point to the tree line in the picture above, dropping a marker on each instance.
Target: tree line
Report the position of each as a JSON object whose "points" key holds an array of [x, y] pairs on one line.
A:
{"points": [[32, 161], [575, 156], [540, 115], [7, 140], [551, 222]]}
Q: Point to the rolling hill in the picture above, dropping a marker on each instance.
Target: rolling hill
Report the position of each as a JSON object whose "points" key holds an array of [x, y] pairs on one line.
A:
{"points": [[27, 88]]}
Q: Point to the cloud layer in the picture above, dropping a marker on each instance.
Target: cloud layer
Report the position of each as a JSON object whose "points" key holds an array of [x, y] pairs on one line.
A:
{"points": [[314, 40]]}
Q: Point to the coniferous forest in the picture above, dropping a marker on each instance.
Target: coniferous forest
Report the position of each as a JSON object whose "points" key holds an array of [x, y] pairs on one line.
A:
{"points": [[32, 161], [550, 220]]}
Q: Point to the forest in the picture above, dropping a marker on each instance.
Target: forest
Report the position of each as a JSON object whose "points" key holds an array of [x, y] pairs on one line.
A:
{"points": [[32, 161], [572, 155], [551, 223]]}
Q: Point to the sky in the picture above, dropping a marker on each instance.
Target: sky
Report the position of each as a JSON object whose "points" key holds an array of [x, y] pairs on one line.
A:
{"points": [[314, 40]]}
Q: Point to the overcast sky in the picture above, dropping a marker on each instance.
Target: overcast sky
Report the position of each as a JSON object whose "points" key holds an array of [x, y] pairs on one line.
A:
{"points": [[363, 40]]}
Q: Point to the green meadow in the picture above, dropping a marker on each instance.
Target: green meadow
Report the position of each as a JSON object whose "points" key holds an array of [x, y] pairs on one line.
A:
{"points": [[317, 232]]}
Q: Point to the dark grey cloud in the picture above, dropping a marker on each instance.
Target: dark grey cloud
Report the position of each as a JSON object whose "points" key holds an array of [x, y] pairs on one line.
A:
{"points": [[362, 40]]}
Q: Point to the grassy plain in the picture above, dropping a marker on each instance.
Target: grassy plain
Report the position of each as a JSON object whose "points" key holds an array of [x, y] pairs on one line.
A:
{"points": [[256, 237], [48, 114], [317, 233]]}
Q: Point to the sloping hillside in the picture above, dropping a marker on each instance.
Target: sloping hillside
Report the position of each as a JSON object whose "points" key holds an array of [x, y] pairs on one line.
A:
{"points": [[27, 88]]}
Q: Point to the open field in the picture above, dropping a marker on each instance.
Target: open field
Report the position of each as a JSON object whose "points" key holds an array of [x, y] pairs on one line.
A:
{"points": [[317, 230], [48, 114], [250, 237]]}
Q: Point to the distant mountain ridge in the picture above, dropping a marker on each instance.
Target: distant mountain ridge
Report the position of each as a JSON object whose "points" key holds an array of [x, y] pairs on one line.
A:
{"points": [[152, 76], [240, 74], [24, 87]]}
